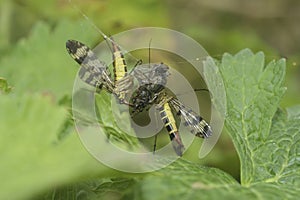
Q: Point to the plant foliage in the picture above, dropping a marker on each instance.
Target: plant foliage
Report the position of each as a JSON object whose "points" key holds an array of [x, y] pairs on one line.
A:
{"points": [[34, 159]]}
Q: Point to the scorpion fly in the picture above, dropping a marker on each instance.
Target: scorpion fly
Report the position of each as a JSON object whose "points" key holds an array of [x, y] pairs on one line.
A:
{"points": [[152, 80]]}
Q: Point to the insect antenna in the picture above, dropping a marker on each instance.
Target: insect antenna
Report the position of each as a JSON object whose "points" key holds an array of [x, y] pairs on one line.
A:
{"points": [[195, 90], [154, 145], [149, 52], [204, 89], [93, 25], [109, 44]]}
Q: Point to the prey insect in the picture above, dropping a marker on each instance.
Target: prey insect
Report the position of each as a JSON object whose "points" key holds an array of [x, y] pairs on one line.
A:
{"points": [[152, 92]]}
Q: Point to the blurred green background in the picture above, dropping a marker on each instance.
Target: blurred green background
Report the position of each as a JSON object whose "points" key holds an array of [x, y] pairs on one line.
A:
{"points": [[271, 26], [32, 33]]}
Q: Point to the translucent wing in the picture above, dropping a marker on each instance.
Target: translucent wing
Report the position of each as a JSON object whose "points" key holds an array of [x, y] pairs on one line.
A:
{"points": [[195, 122], [93, 71]]}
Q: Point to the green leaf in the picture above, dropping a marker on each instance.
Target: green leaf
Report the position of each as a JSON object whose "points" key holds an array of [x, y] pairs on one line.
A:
{"points": [[184, 180], [268, 142], [253, 96], [35, 150], [116, 123], [108, 188], [32, 158], [41, 62], [278, 159], [92, 108]]}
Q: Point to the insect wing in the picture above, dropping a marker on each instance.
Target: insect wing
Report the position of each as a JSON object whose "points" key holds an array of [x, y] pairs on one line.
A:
{"points": [[195, 122], [151, 74], [93, 71], [177, 143]]}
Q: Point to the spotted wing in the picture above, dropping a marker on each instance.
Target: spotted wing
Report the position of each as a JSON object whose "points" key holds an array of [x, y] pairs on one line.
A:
{"points": [[93, 71], [195, 122]]}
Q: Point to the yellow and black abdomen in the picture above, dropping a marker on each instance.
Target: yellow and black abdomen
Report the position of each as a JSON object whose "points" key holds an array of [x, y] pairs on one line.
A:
{"points": [[120, 71], [120, 68], [168, 119], [170, 124]]}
